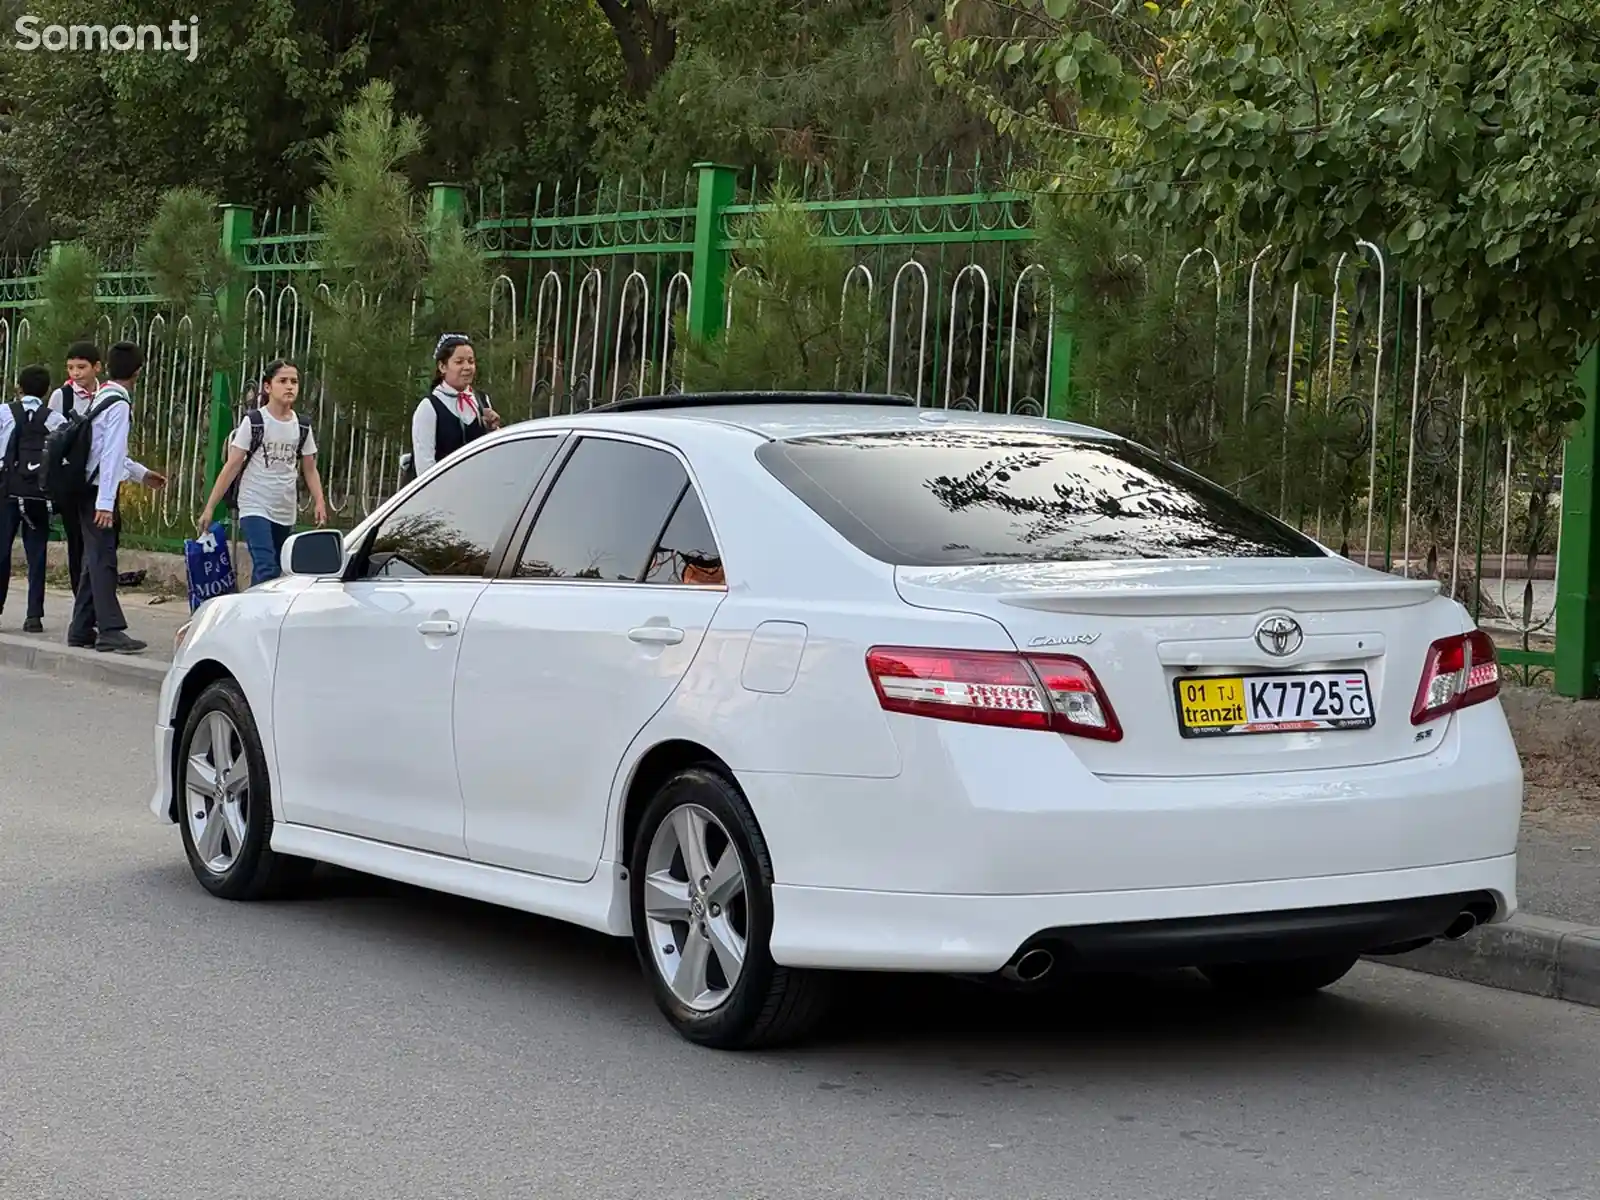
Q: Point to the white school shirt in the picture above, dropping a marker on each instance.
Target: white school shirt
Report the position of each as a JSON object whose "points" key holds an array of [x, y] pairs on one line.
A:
{"points": [[268, 485], [109, 464], [425, 421], [81, 401], [30, 405]]}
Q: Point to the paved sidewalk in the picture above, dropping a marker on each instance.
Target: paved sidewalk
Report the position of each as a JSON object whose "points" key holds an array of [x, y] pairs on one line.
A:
{"points": [[1559, 869], [153, 617]]}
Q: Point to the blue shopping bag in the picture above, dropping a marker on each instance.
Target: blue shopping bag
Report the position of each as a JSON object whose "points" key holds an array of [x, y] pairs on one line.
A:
{"points": [[210, 568]]}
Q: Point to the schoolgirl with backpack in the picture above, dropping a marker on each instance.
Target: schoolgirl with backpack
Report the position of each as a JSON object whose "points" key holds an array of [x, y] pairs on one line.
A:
{"points": [[260, 480], [452, 413]]}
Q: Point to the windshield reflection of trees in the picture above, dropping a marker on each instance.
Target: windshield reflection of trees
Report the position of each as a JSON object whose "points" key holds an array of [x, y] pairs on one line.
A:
{"points": [[1063, 497]]}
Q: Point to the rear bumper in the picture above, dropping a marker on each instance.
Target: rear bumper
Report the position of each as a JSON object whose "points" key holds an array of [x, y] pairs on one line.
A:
{"points": [[999, 812], [898, 931]]}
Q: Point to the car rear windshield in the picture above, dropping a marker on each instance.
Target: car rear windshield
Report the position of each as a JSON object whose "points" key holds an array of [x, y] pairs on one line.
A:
{"points": [[958, 497]]}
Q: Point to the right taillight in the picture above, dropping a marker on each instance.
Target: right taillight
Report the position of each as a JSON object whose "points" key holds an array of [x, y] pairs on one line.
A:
{"points": [[982, 687], [1459, 671]]}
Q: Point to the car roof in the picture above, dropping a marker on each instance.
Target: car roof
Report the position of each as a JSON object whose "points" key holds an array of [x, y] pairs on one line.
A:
{"points": [[780, 416]]}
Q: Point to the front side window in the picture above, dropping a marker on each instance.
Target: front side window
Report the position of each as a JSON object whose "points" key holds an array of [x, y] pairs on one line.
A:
{"points": [[604, 514], [449, 528], [973, 496]]}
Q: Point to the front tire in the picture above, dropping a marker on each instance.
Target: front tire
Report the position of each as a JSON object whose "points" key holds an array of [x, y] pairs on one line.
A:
{"points": [[225, 802], [1284, 980], [700, 890]]}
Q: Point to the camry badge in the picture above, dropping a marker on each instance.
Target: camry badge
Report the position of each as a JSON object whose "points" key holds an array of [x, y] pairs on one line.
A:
{"points": [[1279, 636], [1072, 639]]}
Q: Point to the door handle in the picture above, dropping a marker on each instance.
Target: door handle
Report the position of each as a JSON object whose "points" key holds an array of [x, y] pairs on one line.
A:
{"points": [[439, 628], [656, 635]]}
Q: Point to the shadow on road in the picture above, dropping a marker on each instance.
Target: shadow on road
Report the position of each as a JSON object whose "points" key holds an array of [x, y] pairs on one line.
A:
{"points": [[1168, 1023]]}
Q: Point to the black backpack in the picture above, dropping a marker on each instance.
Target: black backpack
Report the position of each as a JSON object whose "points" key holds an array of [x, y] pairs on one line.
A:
{"points": [[258, 433], [24, 461], [66, 456], [67, 398]]}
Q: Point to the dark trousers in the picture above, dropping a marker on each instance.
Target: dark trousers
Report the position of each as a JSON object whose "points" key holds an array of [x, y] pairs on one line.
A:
{"points": [[72, 527], [96, 608], [31, 518]]}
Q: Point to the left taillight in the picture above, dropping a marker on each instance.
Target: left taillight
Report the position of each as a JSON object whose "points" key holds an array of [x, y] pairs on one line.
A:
{"points": [[1458, 672], [1047, 692]]}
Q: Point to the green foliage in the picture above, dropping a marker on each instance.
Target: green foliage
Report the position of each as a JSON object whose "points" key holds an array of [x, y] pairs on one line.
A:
{"points": [[365, 209], [1461, 135], [792, 325], [67, 309], [775, 84], [182, 250], [1159, 363], [508, 89], [373, 258], [458, 283], [394, 284]]}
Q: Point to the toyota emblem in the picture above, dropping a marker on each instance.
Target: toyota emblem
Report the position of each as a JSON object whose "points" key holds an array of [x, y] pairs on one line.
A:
{"points": [[1279, 636]]}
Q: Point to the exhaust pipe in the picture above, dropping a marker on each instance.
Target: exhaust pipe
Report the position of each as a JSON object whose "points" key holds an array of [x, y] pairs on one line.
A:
{"points": [[1461, 926], [1031, 967]]}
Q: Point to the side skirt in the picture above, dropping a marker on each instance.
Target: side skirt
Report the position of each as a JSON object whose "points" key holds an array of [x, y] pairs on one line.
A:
{"points": [[600, 904]]}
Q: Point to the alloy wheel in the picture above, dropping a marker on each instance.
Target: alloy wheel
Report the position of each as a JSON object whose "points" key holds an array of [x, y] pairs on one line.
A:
{"points": [[696, 907], [217, 792]]}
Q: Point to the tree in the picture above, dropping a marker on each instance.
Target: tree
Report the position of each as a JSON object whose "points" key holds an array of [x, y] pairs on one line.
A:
{"points": [[766, 85], [792, 325], [508, 90], [67, 310], [646, 38], [1459, 134], [393, 284]]}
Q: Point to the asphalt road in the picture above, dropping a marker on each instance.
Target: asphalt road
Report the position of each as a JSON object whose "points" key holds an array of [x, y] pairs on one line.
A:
{"points": [[372, 1041]]}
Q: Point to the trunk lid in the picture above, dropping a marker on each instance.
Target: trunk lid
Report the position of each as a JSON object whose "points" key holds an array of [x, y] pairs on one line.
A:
{"points": [[1144, 626]]}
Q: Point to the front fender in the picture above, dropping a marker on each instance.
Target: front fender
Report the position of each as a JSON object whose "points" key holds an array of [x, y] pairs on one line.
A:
{"points": [[232, 637]]}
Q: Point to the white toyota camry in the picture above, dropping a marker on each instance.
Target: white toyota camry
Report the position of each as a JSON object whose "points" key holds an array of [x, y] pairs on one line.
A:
{"points": [[781, 685]]}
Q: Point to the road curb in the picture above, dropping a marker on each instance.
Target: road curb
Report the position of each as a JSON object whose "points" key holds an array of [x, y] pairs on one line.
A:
{"points": [[90, 666], [1538, 956]]}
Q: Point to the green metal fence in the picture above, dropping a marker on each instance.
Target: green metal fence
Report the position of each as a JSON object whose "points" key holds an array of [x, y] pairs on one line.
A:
{"points": [[1409, 473]]}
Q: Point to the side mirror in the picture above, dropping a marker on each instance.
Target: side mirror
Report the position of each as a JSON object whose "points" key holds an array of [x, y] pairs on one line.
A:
{"points": [[316, 552]]}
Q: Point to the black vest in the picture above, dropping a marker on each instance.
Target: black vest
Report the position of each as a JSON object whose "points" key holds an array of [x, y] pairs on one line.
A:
{"points": [[449, 434]]}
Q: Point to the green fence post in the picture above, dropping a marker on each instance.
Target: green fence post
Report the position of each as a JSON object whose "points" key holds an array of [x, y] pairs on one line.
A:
{"points": [[1578, 592], [238, 223], [447, 205], [447, 202], [708, 271], [1058, 403]]}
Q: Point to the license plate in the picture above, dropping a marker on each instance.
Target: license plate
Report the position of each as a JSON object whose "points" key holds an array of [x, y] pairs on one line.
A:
{"points": [[1238, 704]]}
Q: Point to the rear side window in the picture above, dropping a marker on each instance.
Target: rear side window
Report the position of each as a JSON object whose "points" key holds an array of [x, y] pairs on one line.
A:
{"points": [[687, 553], [963, 497], [605, 513]]}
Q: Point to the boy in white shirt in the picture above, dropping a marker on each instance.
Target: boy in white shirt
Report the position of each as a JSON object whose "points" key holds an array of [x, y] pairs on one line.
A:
{"points": [[76, 395], [25, 423], [97, 617], [265, 456]]}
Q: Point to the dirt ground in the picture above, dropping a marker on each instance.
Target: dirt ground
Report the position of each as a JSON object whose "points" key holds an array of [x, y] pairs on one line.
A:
{"points": [[1560, 744]]}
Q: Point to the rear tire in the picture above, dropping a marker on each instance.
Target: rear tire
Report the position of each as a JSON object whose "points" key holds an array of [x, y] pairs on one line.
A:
{"points": [[702, 920], [1284, 980], [225, 802]]}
